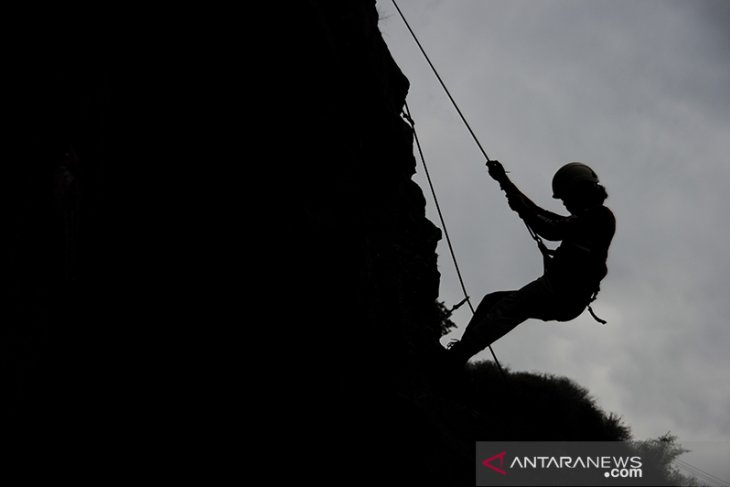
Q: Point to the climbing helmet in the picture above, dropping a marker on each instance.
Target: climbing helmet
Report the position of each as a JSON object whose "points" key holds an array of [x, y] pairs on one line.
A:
{"points": [[571, 175]]}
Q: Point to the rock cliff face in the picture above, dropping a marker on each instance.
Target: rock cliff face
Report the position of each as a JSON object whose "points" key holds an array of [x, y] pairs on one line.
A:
{"points": [[139, 185], [359, 216], [364, 273]]}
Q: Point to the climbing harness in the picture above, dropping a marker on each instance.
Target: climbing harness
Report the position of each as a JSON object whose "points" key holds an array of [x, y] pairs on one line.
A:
{"points": [[544, 250], [547, 255]]}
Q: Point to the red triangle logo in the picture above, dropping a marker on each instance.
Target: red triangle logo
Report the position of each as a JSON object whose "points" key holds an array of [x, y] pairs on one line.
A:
{"points": [[488, 463]]}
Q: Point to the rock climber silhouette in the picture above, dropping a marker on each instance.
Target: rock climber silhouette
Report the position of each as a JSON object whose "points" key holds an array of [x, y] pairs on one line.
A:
{"points": [[573, 271]]}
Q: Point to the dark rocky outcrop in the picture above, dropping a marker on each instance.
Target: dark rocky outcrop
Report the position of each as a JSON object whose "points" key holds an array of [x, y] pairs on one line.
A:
{"points": [[364, 268], [158, 237]]}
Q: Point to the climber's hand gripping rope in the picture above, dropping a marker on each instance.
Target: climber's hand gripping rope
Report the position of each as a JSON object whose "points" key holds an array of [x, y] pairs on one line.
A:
{"points": [[515, 199], [496, 170]]}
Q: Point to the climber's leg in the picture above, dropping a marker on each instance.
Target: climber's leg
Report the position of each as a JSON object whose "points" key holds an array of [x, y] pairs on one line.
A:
{"points": [[501, 312], [486, 305], [460, 352]]}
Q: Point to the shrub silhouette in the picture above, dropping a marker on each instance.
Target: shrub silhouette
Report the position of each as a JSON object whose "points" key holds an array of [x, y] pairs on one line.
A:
{"points": [[537, 407]]}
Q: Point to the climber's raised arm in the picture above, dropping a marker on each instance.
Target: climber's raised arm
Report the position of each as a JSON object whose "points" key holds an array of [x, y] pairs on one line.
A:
{"points": [[547, 224]]}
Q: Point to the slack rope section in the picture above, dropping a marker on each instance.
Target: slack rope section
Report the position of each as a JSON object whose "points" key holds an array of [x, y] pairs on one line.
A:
{"points": [[407, 115]]}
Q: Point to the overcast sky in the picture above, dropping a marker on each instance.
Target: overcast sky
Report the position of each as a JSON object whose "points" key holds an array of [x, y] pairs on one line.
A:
{"points": [[639, 90]]}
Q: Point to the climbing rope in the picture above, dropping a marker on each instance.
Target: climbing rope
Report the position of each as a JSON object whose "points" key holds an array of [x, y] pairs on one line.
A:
{"points": [[407, 115], [534, 235], [443, 85]]}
